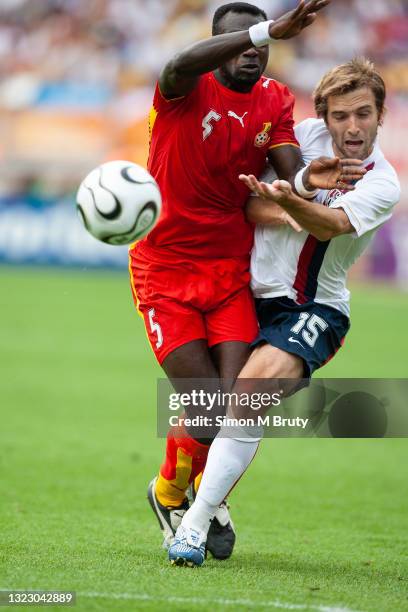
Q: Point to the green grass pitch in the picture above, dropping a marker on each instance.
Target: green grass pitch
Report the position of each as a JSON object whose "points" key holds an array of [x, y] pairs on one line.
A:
{"points": [[321, 524]]}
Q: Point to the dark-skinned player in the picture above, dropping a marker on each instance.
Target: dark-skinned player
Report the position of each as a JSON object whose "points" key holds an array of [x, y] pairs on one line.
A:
{"points": [[214, 117]]}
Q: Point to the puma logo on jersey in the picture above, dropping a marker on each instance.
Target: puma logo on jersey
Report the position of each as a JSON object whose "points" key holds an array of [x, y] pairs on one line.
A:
{"points": [[235, 116], [266, 83]]}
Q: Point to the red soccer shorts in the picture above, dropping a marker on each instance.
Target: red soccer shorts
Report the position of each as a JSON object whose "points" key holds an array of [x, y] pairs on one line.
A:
{"points": [[183, 300]]}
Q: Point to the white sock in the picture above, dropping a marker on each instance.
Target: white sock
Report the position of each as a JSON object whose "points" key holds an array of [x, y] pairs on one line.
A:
{"points": [[227, 460]]}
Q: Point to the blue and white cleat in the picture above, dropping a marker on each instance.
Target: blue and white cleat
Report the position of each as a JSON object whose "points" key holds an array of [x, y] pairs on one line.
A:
{"points": [[188, 548], [221, 535]]}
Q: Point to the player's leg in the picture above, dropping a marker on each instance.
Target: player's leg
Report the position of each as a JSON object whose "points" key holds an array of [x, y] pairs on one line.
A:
{"points": [[191, 360], [177, 334], [229, 457], [230, 358], [281, 322], [230, 328], [185, 455]]}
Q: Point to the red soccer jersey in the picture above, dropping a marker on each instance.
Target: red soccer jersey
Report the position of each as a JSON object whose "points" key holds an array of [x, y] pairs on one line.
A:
{"points": [[200, 143]]}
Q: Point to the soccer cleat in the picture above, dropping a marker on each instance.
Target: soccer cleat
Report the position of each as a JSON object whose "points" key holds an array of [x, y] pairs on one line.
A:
{"points": [[188, 548], [221, 535], [169, 518]]}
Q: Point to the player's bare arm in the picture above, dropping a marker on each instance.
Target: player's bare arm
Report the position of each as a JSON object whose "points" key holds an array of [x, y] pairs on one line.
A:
{"points": [[181, 73], [287, 161], [321, 222], [266, 212]]}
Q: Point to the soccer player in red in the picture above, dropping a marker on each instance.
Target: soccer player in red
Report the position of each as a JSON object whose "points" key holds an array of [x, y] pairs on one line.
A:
{"points": [[214, 117]]}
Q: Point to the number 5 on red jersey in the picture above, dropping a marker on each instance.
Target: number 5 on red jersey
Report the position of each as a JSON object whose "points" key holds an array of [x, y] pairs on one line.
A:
{"points": [[155, 328]]}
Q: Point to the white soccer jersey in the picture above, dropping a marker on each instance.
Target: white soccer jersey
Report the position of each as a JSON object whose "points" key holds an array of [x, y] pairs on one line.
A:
{"points": [[297, 265]]}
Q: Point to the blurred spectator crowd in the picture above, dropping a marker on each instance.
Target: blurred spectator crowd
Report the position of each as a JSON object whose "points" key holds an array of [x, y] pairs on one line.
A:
{"points": [[90, 52], [77, 80], [77, 76]]}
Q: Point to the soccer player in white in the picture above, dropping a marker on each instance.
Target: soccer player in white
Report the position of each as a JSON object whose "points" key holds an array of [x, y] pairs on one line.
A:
{"points": [[303, 249]]}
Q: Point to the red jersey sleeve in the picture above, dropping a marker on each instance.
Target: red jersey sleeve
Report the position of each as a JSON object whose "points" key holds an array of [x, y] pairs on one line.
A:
{"points": [[167, 110], [162, 104], [283, 132]]}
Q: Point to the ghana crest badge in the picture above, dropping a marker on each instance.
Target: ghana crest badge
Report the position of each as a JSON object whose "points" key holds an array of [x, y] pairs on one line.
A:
{"points": [[262, 138]]}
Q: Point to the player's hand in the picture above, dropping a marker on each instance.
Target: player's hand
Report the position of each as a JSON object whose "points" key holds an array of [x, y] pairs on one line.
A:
{"points": [[333, 173], [292, 23], [279, 192]]}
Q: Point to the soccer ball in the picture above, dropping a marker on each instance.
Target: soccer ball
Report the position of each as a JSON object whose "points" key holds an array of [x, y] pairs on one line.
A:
{"points": [[119, 202]]}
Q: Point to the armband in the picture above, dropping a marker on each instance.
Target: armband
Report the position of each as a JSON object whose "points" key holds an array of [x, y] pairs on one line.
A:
{"points": [[259, 33], [301, 189]]}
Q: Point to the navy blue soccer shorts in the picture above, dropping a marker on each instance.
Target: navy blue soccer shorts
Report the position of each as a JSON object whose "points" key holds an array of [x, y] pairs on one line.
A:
{"points": [[312, 331]]}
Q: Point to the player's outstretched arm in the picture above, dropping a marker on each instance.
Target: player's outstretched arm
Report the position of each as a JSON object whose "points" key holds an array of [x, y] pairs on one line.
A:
{"points": [[265, 212], [181, 73], [322, 222]]}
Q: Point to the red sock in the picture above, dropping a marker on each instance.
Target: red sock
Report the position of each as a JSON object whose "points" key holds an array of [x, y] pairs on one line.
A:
{"points": [[185, 459]]}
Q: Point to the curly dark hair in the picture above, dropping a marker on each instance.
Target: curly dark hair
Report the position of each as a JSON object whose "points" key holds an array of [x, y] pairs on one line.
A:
{"points": [[235, 7]]}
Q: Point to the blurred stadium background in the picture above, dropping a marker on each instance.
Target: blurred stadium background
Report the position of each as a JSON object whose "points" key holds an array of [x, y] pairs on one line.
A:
{"points": [[76, 85]]}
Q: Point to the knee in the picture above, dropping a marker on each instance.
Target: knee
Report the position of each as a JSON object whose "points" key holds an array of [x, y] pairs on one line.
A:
{"points": [[268, 362]]}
